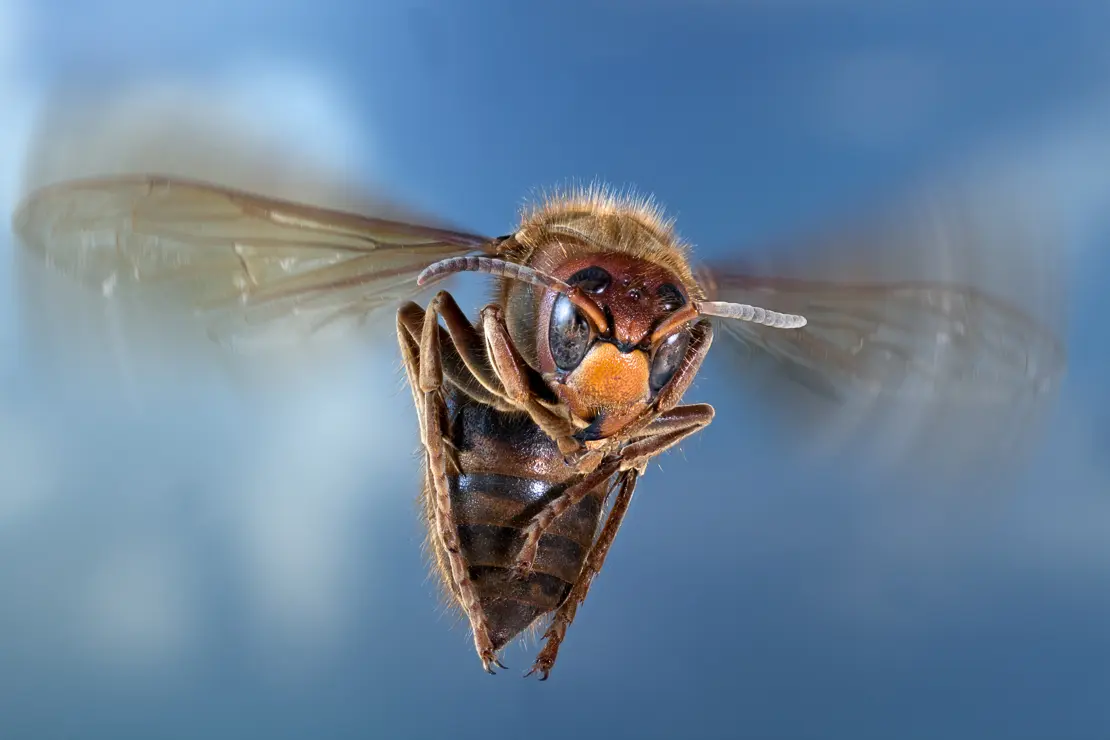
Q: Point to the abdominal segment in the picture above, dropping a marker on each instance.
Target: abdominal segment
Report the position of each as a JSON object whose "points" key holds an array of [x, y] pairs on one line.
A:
{"points": [[494, 497]]}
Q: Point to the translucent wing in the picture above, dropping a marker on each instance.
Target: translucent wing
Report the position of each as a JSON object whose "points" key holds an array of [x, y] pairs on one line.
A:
{"points": [[901, 339], [250, 265], [909, 343]]}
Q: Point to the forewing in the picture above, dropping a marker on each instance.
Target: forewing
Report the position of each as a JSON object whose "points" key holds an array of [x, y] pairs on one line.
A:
{"points": [[929, 340], [252, 266], [931, 333]]}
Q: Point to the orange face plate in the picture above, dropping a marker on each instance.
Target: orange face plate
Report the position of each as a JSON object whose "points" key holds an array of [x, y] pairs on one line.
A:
{"points": [[607, 383]]}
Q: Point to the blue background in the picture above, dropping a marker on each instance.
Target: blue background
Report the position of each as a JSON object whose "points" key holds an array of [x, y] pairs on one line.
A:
{"points": [[175, 562]]}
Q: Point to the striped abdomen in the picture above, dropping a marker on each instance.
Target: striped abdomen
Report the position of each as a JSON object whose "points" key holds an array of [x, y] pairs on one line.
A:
{"points": [[508, 471]]}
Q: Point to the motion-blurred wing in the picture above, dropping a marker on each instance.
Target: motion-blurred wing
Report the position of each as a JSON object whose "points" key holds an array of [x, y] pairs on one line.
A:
{"points": [[931, 328], [250, 265], [935, 376], [930, 340]]}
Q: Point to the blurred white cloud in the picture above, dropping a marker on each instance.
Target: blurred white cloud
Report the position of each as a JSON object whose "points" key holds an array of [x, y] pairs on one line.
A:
{"points": [[301, 507], [134, 604], [11, 36], [25, 473], [15, 111], [295, 499], [914, 559], [29, 469], [265, 125]]}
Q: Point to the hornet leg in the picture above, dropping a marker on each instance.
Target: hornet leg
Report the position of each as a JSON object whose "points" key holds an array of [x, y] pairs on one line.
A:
{"points": [[566, 612], [425, 371], [664, 432]]}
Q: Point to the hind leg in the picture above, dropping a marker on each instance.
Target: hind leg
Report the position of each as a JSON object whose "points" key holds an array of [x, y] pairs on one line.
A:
{"points": [[566, 612], [424, 366]]}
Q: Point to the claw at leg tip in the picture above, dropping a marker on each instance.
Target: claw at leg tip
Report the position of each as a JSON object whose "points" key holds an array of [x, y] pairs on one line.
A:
{"points": [[488, 661], [536, 668]]}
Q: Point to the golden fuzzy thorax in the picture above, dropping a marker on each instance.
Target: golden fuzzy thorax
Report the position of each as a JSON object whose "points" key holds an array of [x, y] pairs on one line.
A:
{"points": [[605, 221]]}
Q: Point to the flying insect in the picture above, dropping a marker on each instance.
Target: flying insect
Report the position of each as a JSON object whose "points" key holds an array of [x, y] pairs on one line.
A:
{"points": [[538, 418]]}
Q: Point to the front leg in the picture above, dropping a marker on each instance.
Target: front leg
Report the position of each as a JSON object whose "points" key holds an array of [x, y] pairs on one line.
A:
{"points": [[517, 378], [664, 432]]}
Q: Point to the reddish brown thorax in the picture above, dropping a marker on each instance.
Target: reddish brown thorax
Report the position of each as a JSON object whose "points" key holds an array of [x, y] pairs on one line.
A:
{"points": [[611, 385]]}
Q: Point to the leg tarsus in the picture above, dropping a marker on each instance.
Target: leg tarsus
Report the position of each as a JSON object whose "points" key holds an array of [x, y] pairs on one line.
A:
{"points": [[544, 667], [489, 660]]}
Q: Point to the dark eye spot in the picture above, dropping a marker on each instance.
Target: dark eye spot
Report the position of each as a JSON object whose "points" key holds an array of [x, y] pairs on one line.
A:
{"points": [[568, 337], [591, 279], [670, 297], [668, 356]]}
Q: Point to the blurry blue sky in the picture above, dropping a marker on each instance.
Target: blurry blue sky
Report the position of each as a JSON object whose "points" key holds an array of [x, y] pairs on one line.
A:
{"points": [[178, 563]]}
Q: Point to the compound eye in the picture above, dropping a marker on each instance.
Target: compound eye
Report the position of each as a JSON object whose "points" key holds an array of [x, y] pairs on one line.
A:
{"points": [[569, 334], [668, 356]]}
